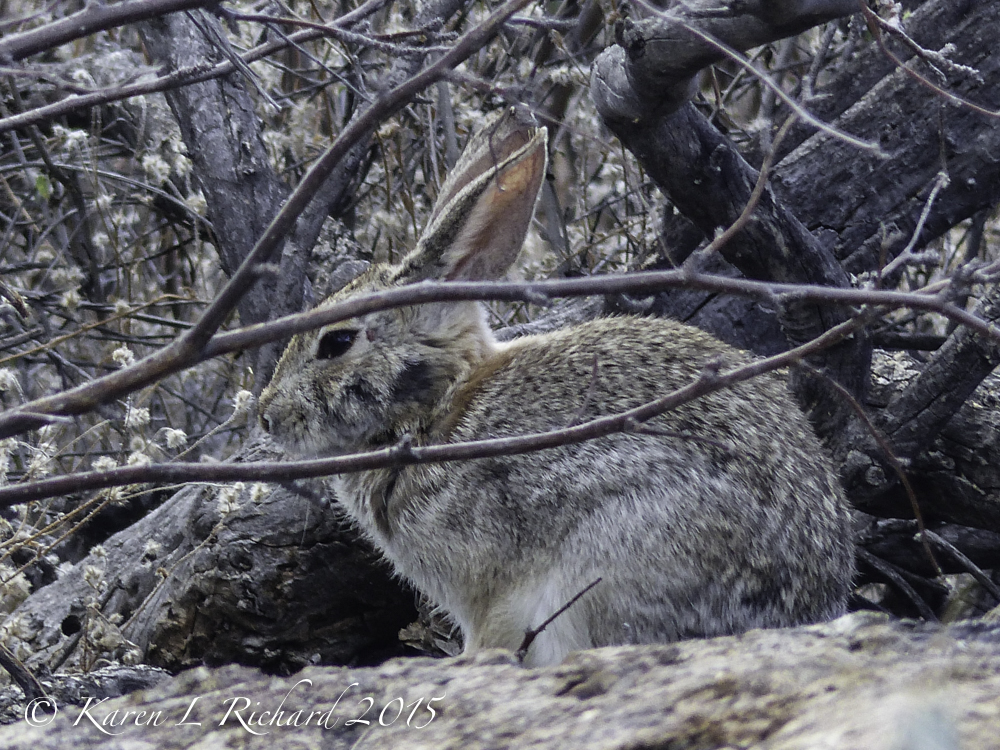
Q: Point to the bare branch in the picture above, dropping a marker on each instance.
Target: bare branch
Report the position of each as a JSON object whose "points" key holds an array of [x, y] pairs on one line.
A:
{"points": [[171, 359], [896, 579], [93, 18], [531, 635], [710, 183], [32, 688], [905, 254], [537, 292], [793, 105], [867, 213], [334, 32], [405, 453], [984, 580], [876, 24], [890, 456], [918, 414]]}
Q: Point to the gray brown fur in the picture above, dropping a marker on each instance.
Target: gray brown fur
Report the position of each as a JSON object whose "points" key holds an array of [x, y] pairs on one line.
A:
{"points": [[729, 517]]}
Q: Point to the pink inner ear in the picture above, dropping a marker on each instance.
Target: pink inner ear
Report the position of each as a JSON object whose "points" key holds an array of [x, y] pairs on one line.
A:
{"points": [[499, 149], [494, 230]]}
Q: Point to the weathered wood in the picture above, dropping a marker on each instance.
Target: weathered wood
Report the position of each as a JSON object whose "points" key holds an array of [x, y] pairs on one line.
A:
{"points": [[280, 581], [917, 415], [867, 207], [661, 54], [957, 479], [851, 202]]}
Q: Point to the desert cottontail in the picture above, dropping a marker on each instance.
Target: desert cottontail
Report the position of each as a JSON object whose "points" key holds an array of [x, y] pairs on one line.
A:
{"points": [[723, 515]]}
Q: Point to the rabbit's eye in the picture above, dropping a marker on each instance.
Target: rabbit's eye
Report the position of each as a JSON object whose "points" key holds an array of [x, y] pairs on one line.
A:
{"points": [[333, 344]]}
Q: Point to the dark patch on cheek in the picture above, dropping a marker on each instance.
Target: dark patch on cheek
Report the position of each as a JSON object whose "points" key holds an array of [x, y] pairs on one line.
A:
{"points": [[363, 392], [414, 383]]}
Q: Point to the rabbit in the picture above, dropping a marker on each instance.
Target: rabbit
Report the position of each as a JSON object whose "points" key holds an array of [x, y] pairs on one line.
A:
{"points": [[721, 515]]}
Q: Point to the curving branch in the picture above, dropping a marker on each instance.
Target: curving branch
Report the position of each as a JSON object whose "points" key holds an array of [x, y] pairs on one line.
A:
{"points": [[174, 359], [651, 70]]}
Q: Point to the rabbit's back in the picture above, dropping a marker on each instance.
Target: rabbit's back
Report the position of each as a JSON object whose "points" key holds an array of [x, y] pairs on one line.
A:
{"points": [[721, 515]]}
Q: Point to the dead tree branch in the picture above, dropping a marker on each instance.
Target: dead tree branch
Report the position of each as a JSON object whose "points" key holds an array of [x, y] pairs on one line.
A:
{"points": [[93, 18], [919, 413], [650, 73]]}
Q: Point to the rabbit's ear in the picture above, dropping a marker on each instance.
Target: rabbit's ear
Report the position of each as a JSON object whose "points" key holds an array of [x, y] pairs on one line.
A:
{"points": [[482, 214]]}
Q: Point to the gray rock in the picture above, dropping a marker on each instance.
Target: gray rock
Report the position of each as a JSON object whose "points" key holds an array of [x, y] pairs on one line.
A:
{"points": [[862, 681]]}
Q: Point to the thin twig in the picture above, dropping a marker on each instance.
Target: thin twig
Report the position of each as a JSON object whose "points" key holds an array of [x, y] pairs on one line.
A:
{"points": [[887, 451], [793, 105], [212, 33], [875, 25], [904, 256], [93, 18], [758, 191], [531, 635], [588, 395], [341, 35], [538, 292]]}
